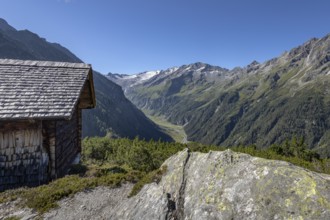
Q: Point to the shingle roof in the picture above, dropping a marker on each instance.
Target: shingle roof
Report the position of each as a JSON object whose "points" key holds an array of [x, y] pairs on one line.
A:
{"points": [[40, 89]]}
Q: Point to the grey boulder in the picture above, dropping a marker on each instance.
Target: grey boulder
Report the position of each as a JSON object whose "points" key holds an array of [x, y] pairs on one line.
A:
{"points": [[229, 185]]}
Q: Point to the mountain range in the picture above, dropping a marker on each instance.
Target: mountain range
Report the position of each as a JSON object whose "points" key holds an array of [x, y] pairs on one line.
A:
{"points": [[114, 114], [261, 104]]}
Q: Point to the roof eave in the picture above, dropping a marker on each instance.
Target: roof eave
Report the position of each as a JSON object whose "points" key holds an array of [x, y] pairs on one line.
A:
{"points": [[57, 118]]}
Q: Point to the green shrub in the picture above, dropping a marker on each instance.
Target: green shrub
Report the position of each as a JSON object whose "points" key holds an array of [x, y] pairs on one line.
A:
{"points": [[137, 154], [295, 148]]}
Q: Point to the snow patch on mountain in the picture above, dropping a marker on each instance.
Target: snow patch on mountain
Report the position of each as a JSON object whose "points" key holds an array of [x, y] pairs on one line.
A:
{"points": [[129, 77], [200, 69], [171, 70], [147, 75]]}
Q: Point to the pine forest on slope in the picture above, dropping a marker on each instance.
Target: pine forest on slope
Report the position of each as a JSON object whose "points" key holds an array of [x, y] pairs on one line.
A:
{"points": [[259, 104], [114, 114]]}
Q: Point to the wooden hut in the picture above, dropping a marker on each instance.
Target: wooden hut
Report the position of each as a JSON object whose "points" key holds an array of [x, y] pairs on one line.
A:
{"points": [[41, 104]]}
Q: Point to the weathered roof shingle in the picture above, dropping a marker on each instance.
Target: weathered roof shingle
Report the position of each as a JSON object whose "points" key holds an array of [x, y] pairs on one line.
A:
{"points": [[39, 89]]}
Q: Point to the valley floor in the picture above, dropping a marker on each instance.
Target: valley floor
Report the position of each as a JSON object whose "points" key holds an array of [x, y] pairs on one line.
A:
{"points": [[175, 131]]}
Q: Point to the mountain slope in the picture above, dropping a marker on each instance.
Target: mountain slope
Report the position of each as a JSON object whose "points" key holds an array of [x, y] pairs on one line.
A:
{"points": [[113, 112], [175, 92], [27, 45], [259, 104]]}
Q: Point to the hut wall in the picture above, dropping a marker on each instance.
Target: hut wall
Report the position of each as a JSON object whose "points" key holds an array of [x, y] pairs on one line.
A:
{"points": [[49, 141], [33, 152], [23, 158], [67, 142]]}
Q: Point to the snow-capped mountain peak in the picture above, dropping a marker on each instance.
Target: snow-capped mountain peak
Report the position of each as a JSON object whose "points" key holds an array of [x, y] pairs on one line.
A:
{"points": [[132, 80]]}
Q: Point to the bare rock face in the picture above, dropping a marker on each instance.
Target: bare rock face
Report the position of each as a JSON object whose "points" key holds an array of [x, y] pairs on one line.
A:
{"points": [[96, 204], [229, 185]]}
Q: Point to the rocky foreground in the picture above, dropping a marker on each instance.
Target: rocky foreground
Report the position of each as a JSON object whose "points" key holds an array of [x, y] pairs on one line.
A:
{"points": [[216, 185]]}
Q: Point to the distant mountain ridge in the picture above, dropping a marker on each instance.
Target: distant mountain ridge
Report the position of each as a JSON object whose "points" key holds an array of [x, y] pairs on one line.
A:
{"points": [[262, 103], [114, 114], [131, 80], [127, 81]]}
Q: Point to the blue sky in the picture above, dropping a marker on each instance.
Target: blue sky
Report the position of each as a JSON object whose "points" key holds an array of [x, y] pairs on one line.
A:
{"points": [[131, 36]]}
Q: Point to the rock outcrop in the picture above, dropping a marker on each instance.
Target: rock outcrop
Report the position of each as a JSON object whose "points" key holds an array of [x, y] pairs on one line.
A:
{"points": [[229, 185]]}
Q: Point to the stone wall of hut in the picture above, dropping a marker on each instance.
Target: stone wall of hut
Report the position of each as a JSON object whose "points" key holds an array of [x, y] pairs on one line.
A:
{"points": [[23, 159]]}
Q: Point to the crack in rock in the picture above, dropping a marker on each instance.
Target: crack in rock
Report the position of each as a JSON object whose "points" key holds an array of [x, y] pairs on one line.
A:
{"points": [[178, 214], [171, 207]]}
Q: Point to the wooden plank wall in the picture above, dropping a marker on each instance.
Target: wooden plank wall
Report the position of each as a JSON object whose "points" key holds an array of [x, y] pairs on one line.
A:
{"points": [[67, 143], [49, 135], [79, 129], [23, 159]]}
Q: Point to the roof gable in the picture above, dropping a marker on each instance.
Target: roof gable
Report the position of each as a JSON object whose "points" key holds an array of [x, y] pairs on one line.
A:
{"points": [[43, 89]]}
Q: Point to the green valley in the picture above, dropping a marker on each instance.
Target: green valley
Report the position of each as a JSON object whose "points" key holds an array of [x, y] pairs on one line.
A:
{"points": [[175, 131]]}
